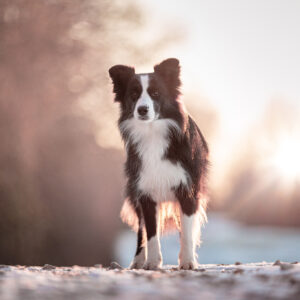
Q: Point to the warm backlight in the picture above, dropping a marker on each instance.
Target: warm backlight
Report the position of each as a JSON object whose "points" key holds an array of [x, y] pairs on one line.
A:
{"points": [[286, 158]]}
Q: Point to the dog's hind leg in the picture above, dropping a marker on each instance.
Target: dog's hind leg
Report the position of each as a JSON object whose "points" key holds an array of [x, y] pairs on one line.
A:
{"points": [[140, 254], [150, 217], [190, 229]]}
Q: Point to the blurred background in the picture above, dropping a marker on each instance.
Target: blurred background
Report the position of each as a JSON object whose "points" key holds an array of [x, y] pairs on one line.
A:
{"points": [[61, 156]]}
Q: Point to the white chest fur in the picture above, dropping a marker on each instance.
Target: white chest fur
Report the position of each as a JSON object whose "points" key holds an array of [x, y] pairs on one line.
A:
{"points": [[158, 176]]}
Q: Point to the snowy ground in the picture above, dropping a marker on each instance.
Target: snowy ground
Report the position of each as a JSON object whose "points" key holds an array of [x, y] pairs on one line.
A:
{"points": [[237, 281]]}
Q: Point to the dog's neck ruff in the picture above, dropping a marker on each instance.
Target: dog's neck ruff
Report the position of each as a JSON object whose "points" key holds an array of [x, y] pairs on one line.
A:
{"points": [[158, 176], [139, 131]]}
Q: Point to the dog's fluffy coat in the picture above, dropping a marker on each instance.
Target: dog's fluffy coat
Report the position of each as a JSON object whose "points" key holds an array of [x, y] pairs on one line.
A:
{"points": [[167, 161]]}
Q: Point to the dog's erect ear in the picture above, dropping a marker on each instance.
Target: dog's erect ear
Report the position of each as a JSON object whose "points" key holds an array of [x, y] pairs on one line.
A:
{"points": [[120, 76], [169, 70]]}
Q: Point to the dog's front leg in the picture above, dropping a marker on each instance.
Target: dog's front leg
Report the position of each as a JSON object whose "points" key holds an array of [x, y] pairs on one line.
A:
{"points": [[140, 254], [150, 215], [187, 255], [190, 230]]}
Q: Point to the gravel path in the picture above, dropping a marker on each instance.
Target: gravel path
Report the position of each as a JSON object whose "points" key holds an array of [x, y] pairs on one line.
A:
{"points": [[240, 281]]}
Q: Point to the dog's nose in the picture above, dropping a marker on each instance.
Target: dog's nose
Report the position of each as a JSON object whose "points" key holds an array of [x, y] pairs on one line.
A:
{"points": [[142, 110]]}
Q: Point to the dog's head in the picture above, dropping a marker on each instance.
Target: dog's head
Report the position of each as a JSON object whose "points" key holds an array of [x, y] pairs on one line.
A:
{"points": [[150, 96]]}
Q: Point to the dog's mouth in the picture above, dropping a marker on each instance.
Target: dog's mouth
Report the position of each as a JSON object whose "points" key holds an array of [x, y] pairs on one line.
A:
{"points": [[148, 119], [143, 118]]}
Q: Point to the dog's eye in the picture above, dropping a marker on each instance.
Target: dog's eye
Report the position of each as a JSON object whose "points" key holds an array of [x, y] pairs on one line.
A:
{"points": [[134, 95], [154, 94]]}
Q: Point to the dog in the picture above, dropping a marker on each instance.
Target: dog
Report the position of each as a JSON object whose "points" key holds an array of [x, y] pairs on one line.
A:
{"points": [[167, 162]]}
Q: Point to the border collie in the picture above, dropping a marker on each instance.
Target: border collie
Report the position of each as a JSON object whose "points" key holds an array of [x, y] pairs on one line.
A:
{"points": [[167, 162]]}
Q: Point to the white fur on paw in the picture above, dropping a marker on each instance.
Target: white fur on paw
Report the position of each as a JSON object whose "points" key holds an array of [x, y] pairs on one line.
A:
{"points": [[153, 264], [154, 259], [189, 264], [138, 260], [136, 265]]}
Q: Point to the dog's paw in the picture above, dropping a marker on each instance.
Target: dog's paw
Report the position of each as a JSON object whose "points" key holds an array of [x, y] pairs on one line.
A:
{"points": [[153, 264], [136, 265], [190, 264], [138, 261]]}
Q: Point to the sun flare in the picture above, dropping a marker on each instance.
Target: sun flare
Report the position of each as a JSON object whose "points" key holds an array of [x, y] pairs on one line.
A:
{"points": [[286, 158]]}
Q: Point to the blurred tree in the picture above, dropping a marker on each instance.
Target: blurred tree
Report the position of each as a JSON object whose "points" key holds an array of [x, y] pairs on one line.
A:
{"points": [[59, 190]]}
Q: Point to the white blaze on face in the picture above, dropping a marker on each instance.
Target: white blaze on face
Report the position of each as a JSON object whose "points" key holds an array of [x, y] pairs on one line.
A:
{"points": [[145, 101]]}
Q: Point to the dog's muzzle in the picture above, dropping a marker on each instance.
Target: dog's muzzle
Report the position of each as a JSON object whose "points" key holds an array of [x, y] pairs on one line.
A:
{"points": [[143, 111]]}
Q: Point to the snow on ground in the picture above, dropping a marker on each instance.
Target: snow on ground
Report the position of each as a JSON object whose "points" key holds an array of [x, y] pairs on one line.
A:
{"points": [[238, 281], [224, 241]]}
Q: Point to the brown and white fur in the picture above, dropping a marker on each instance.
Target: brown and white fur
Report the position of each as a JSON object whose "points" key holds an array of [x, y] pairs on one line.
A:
{"points": [[167, 162]]}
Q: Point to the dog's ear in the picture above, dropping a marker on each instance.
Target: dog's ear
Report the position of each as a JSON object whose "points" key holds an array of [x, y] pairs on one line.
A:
{"points": [[120, 76], [169, 70]]}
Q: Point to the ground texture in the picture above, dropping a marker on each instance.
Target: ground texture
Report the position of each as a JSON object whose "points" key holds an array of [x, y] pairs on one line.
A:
{"points": [[239, 281]]}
